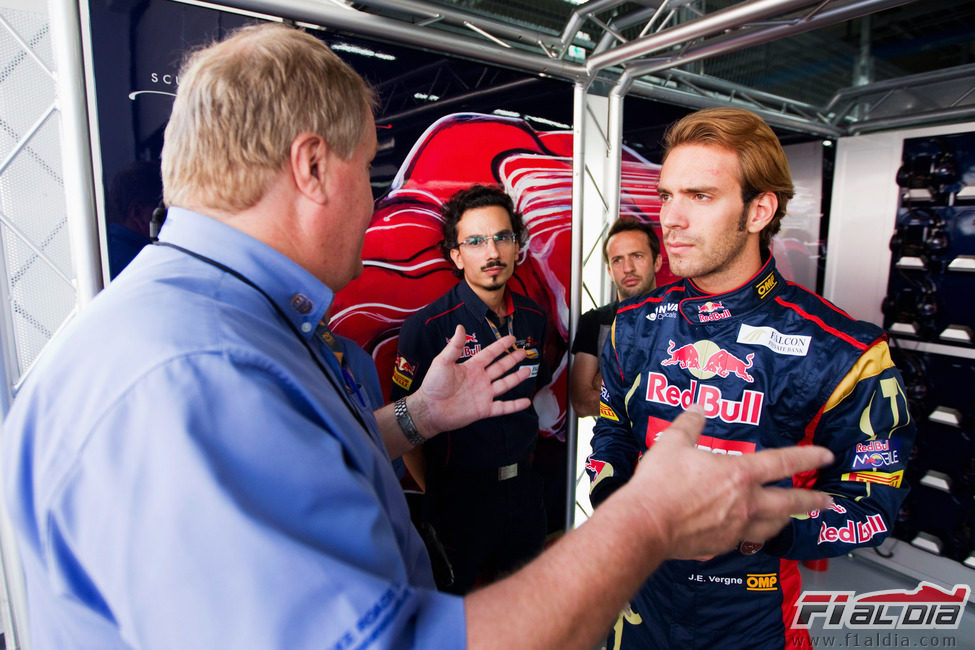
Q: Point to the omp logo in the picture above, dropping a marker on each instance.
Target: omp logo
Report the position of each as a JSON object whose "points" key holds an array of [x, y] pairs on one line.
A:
{"points": [[705, 359], [766, 285], [834, 507], [928, 607], [761, 582], [791, 344]]}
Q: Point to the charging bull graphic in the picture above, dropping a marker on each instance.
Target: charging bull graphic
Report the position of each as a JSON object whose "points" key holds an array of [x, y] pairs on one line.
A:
{"points": [[704, 359], [404, 269]]}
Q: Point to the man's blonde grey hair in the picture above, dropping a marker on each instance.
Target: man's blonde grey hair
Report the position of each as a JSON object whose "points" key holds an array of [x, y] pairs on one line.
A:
{"points": [[239, 106]]}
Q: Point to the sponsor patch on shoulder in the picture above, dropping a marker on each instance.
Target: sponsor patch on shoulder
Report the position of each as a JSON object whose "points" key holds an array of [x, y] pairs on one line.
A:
{"points": [[403, 372], [792, 344], [876, 454], [606, 412], [892, 479], [597, 470], [663, 311]]}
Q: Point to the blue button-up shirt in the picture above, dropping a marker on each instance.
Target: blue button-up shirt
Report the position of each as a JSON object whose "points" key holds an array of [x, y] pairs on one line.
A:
{"points": [[181, 473]]}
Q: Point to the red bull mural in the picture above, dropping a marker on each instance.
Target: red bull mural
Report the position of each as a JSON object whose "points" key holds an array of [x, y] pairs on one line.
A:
{"points": [[404, 269]]}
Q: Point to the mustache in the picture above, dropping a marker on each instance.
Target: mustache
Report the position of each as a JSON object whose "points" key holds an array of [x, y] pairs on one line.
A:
{"points": [[494, 263]]}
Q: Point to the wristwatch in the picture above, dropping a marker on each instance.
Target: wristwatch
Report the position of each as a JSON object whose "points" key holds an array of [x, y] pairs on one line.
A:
{"points": [[406, 423]]}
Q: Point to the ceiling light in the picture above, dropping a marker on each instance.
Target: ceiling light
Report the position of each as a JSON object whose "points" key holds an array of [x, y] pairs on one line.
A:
{"points": [[362, 51]]}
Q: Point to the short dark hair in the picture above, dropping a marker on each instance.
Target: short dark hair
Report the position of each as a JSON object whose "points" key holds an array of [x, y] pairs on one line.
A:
{"points": [[476, 196], [624, 224]]}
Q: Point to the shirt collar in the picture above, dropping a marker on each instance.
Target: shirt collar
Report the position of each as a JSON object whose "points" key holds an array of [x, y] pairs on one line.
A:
{"points": [[299, 294], [702, 307], [478, 307]]}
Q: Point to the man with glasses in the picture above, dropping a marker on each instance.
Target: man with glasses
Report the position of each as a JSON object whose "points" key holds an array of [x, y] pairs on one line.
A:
{"points": [[483, 498]]}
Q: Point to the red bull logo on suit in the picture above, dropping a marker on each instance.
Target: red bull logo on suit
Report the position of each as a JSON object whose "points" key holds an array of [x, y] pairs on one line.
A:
{"points": [[747, 410], [704, 359]]}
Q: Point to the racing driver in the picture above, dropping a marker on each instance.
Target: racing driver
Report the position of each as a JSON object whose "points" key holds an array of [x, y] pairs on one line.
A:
{"points": [[771, 363]]}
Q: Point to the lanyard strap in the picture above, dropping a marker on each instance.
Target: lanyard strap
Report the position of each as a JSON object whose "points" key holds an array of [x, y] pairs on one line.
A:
{"points": [[324, 335], [510, 320]]}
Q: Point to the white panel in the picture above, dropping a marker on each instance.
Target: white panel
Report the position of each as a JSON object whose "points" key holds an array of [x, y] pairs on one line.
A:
{"points": [[861, 222]]}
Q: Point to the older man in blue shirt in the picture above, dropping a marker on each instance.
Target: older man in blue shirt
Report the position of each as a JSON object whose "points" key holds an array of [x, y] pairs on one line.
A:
{"points": [[188, 467]]}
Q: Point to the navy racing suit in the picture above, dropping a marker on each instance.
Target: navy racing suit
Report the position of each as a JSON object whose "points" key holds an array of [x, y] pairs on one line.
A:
{"points": [[773, 365]]}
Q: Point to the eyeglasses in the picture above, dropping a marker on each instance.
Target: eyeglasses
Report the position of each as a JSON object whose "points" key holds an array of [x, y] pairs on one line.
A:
{"points": [[503, 238]]}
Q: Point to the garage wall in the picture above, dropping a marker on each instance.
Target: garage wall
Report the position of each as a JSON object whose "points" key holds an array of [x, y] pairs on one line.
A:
{"points": [[862, 217]]}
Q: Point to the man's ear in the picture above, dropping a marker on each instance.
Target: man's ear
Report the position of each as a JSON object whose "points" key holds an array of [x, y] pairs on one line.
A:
{"points": [[309, 160], [458, 260], [761, 210], [658, 262]]}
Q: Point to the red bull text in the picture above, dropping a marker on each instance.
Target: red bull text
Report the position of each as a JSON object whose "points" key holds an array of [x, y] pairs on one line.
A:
{"points": [[746, 411]]}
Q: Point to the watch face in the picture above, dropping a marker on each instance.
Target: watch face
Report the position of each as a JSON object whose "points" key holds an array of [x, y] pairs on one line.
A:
{"points": [[750, 548]]}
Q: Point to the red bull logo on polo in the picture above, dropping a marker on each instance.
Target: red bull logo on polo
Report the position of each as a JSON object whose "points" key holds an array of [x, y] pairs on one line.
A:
{"points": [[471, 345]]}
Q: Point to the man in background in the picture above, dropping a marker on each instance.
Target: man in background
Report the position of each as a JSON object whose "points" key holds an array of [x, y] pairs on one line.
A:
{"points": [[482, 496], [631, 251]]}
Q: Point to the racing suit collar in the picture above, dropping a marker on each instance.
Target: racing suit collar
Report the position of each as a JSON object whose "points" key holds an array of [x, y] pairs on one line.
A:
{"points": [[702, 307]]}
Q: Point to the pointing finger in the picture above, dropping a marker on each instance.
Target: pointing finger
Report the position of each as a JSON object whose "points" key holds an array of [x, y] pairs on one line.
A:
{"points": [[774, 464]]}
